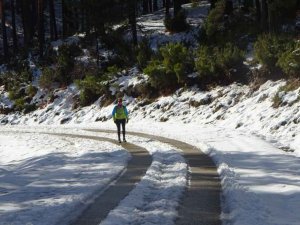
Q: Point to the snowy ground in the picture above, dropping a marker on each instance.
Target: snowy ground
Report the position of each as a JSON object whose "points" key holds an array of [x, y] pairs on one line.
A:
{"points": [[235, 125], [49, 180], [261, 183]]}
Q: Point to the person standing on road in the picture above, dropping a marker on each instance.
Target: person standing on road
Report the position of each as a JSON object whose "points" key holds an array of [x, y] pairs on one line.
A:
{"points": [[120, 117]]}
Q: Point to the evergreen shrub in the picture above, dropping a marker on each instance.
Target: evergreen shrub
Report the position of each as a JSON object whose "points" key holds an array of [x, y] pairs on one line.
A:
{"points": [[157, 74], [91, 88], [19, 104], [144, 53], [214, 21], [205, 63], [268, 49], [176, 24], [291, 85], [31, 91], [29, 108], [289, 61], [65, 64], [172, 69], [229, 56], [215, 64], [177, 60], [47, 78], [111, 71]]}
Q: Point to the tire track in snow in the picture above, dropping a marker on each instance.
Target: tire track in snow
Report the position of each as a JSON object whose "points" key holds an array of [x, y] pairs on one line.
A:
{"points": [[118, 188], [201, 204]]}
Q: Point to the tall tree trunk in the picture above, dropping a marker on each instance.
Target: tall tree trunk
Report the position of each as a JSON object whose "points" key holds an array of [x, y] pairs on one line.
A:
{"points": [[274, 18], [18, 6], [82, 16], [75, 18], [4, 34], [150, 5], [34, 16], [145, 7], [155, 5], [28, 21], [13, 21], [264, 15], [212, 4], [177, 6], [167, 11], [40, 23], [258, 11], [64, 19], [53, 27], [88, 20], [132, 19]]}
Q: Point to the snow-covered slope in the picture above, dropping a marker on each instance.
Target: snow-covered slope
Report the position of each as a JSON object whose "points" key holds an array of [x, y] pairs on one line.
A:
{"points": [[235, 106]]}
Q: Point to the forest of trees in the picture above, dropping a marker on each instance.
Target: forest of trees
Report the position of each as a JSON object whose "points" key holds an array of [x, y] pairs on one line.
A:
{"points": [[26, 23], [28, 27], [37, 21]]}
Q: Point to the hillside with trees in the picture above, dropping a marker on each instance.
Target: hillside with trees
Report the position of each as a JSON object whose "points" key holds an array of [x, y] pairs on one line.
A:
{"points": [[43, 43]]}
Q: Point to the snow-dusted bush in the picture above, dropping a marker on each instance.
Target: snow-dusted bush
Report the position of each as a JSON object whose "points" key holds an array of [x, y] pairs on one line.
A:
{"points": [[31, 90], [159, 79], [144, 53], [268, 49], [19, 104], [289, 61], [205, 63], [229, 56], [177, 23], [65, 63], [287, 94], [215, 64], [47, 78], [214, 21], [91, 88], [172, 69], [278, 52], [177, 60]]}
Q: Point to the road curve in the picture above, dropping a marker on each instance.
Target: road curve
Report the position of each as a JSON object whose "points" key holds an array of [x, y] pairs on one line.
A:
{"points": [[201, 203], [117, 190]]}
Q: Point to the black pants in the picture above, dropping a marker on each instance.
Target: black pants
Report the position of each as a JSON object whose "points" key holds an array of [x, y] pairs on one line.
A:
{"points": [[119, 123]]}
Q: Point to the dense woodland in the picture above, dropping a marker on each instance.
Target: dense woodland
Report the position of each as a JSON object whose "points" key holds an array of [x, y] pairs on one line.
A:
{"points": [[29, 26]]}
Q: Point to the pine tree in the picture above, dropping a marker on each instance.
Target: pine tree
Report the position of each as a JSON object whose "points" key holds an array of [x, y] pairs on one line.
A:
{"points": [[177, 6], [213, 3], [27, 23], [155, 5], [132, 19], [167, 11], [53, 27], [145, 7], [4, 34], [264, 15], [40, 23], [13, 21], [258, 10]]}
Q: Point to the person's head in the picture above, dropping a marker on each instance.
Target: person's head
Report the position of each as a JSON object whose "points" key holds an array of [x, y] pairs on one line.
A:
{"points": [[120, 101]]}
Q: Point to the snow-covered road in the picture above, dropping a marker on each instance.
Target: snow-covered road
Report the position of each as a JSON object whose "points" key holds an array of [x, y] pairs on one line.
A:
{"points": [[261, 183], [64, 190]]}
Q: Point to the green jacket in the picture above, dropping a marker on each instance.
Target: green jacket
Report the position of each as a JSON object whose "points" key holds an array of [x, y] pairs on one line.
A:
{"points": [[120, 112]]}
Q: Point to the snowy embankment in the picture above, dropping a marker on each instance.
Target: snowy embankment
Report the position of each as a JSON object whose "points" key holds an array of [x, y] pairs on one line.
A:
{"points": [[235, 125]]}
